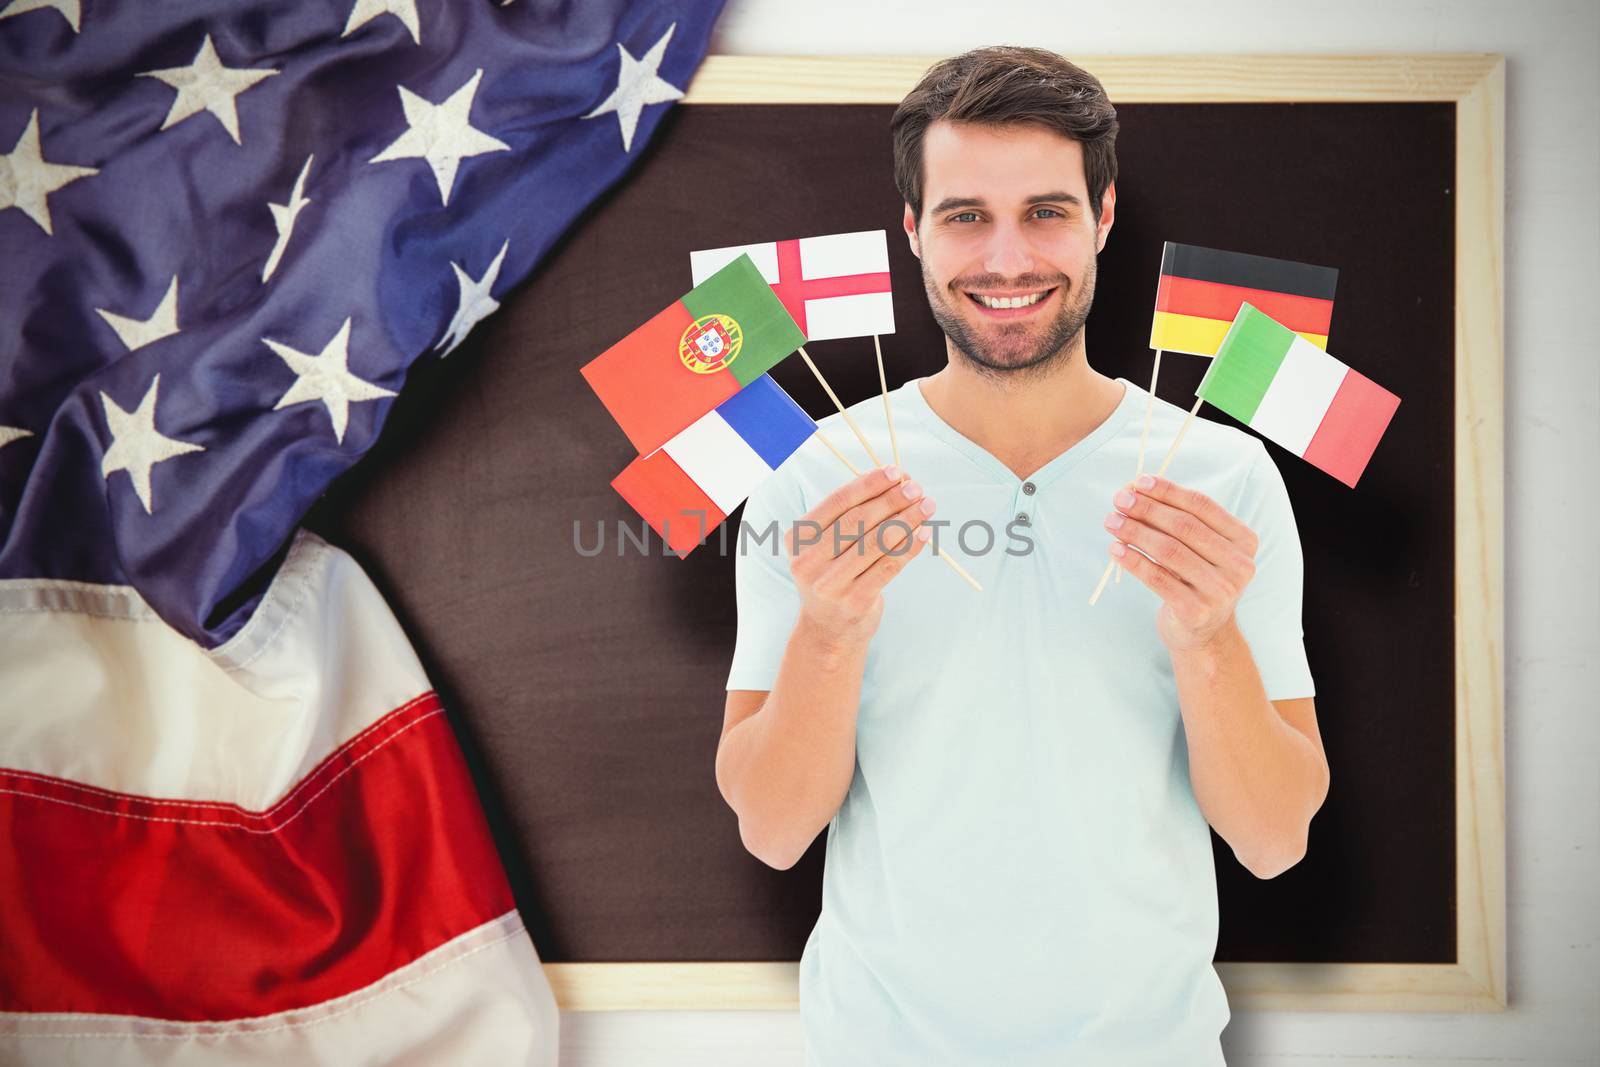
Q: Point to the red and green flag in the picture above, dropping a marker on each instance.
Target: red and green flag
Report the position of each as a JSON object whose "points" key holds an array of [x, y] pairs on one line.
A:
{"points": [[1200, 291], [722, 335], [1292, 392]]}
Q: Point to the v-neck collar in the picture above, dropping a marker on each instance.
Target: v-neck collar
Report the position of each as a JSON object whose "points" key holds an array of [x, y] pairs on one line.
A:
{"points": [[1132, 398]]}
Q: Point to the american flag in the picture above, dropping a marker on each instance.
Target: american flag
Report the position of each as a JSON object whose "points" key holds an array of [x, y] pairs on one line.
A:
{"points": [[234, 822]]}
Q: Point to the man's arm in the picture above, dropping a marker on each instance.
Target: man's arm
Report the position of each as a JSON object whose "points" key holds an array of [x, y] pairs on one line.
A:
{"points": [[1257, 765], [784, 764], [786, 756]]}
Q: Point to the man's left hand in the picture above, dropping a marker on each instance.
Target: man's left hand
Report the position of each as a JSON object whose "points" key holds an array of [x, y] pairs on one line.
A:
{"points": [[1200, 556]]}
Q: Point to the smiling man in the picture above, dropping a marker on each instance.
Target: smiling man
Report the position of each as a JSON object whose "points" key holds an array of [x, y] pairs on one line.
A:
{"points": [[1017, 787]]}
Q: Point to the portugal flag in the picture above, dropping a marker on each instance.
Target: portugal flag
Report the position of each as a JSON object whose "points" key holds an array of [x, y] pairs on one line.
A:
{"points": [[1201, 289], [1292, 392], [722, 335]]}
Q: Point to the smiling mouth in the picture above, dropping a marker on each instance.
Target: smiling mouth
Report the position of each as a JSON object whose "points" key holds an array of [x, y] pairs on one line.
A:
{"points": [[1009, 302]]}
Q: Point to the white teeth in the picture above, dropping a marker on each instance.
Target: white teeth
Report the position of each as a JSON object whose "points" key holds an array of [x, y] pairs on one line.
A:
{"points": [[1009, 301]]}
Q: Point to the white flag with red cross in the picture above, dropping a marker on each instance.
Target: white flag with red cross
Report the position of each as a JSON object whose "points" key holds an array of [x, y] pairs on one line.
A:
{"points": [[836, 285]]}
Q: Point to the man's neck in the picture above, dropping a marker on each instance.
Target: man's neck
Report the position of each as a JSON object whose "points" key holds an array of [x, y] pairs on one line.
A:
{"points": [[1023, 420]]}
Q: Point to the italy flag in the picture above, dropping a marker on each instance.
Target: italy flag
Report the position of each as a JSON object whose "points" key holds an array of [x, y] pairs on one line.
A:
{"points": [[1292, 392]]}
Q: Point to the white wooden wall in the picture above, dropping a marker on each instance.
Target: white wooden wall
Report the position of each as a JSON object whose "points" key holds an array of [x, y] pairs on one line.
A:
{"points": [[1552, 286]]}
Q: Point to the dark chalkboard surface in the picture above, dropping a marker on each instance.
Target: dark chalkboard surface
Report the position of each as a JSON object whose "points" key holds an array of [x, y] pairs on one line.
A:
{"points": [[588, 692]]}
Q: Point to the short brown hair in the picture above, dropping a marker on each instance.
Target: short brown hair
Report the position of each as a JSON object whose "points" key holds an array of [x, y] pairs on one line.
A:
{"points": [[1006, 85]]}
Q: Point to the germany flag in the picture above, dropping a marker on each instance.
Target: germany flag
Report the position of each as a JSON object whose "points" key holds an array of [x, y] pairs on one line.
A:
{"points": [[1201, 289]]}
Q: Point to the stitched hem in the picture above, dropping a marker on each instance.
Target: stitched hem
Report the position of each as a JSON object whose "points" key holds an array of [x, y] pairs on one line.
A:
{"points": [[71, 1025]]}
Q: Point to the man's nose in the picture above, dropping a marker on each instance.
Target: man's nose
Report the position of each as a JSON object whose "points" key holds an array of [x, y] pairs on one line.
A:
{"points": [[1009, 254]]}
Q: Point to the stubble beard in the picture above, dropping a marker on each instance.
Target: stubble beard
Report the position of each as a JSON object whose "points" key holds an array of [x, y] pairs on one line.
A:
{"points": [[1006, 354]]}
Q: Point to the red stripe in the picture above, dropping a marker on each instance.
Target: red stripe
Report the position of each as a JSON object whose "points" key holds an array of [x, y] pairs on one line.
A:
{"points": [[643, 382], [669, 500], [197, 911], [793, 290], [1213, 300], [1351, 427]]}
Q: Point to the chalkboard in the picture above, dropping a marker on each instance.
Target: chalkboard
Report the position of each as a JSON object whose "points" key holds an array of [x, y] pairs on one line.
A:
{"points": [[588, 690]]}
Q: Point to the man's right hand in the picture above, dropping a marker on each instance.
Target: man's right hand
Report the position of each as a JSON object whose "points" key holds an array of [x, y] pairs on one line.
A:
{"points": [[846, 549]]}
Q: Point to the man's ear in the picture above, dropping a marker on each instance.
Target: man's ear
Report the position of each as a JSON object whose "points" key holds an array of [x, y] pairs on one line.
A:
{"points": [[910, 223], [1108, 215]]}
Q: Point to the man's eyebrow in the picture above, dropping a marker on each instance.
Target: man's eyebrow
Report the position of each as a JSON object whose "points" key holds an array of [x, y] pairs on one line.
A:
{"points": [[951, 203]]}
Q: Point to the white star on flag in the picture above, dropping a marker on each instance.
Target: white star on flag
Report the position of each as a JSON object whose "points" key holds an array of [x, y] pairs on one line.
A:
{"points": [[441, 133], [69, 9], [474, 304], [638, 85], [12, 433], [136, 444], [367, 10], [283, 216], [163, 321], [207, 85], [326, 378], [31, 178]]}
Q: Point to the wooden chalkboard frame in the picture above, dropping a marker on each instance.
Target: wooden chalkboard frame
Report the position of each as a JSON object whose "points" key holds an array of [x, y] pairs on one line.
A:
{"points": [[1475, 83]]}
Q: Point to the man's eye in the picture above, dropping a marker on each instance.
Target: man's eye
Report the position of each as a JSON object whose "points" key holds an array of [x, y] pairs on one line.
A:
{"points": [[964, 214], [1053, 211]]}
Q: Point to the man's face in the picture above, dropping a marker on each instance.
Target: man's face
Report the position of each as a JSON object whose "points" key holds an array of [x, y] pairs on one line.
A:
{"points": [[1006, 215]]}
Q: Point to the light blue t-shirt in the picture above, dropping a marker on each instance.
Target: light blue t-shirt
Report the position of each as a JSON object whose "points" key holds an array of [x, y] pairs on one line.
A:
{"points": [[1020, 873]]}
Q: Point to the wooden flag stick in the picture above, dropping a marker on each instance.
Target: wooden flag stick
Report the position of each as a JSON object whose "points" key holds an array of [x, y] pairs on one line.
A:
{"points": [[1164, 464], [835, 450], [958, 568], [883, 386], [1149, 406], [876, 462], [1144, 435], [941, 553]]}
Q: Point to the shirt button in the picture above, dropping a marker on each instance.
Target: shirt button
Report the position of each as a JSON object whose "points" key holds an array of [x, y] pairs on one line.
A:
{"points": [[1027, 487], [1022, 518]]}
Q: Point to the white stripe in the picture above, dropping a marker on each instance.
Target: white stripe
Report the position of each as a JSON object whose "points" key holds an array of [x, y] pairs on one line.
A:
{"points": [[862, 252], [706, 263], [100, 691], [849, 316], [720, 461], [482, 998], [1298, 396]]}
